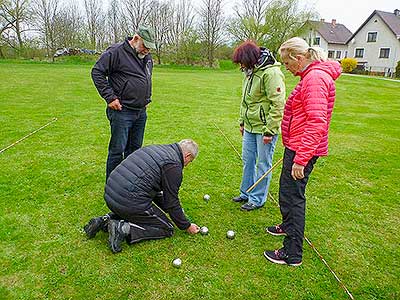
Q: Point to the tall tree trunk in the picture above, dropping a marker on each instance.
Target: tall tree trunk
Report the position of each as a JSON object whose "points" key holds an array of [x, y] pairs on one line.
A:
{"points": [[210, 56], [159, 56], [18, 32]]}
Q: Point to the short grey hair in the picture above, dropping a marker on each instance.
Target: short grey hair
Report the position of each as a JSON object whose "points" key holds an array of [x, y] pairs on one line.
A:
{"points": [[189, 146]]}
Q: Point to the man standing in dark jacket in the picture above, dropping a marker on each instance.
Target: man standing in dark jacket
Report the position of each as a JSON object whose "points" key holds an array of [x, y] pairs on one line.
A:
{"points": [[122, 77], [138, 192]]}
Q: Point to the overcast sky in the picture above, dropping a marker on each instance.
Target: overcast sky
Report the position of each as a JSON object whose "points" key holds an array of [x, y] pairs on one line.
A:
{"points": [[351, 13]]}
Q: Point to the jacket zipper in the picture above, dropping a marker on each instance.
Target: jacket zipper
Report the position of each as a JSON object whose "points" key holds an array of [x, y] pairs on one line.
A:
{"points": [[148, 77], [262, 115], [244, 97], [290, 124]]}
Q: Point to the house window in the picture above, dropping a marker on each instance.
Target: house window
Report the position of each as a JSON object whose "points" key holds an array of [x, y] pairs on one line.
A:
{"points": [[345, 53], [359, 52], [331, 53], [384, 53], [338, 54], [317, 41], [372, 37]]}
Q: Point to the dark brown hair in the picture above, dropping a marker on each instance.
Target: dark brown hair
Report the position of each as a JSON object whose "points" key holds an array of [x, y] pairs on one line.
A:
{"points": [[246, 54]]}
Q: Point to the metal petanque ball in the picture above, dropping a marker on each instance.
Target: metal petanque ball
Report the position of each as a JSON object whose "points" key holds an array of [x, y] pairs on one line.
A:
{"points": [[204, 230], [206, 197], [230, 234], [177, 262]]}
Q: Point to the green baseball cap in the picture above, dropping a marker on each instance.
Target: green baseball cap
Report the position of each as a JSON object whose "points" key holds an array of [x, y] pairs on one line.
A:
{"points": [[147, 34]]}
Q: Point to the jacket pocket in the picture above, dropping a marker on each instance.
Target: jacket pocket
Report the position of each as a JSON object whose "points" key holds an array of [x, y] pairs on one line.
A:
{"points": [[263, 118], [134, 91]]}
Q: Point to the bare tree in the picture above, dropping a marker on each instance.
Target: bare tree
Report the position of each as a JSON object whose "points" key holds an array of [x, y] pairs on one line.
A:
{"points": [[17, 10], [136, 13], [46, 14], [181, 24], [94, 19], [211, 27], [249, 21], [6, 21], [252, 8], [5, 25], [69, 26], [159, 18], [114, 20]]}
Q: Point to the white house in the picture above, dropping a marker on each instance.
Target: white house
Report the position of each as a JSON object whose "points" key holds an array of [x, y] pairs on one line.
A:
{"points": [[376, 44], [332, 37]]}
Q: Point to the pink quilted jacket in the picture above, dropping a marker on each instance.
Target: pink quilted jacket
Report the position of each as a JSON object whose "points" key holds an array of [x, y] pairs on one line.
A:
{"points": [[308, 111]]}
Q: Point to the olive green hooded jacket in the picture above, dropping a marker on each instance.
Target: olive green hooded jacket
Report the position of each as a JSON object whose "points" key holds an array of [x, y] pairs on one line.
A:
{"points": [[263, 99]]}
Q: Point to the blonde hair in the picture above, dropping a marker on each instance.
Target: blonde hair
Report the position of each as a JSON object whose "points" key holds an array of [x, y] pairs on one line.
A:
{"points": [[298, 46]]}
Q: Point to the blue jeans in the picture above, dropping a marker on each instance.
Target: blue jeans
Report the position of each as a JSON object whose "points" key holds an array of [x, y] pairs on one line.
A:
{"points": [[257, 159], [127, 132]]}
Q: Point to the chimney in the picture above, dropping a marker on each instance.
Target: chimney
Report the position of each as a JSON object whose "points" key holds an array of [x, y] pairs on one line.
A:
{"points": [[397, 13], [333, 22]]}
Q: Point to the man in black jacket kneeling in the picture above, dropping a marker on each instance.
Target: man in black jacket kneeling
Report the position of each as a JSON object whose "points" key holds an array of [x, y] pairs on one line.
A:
{"points": [[138, 192]]}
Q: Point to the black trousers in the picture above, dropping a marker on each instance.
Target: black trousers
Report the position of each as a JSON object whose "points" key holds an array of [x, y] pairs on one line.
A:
{"points": [[292, 202], [147, 225]]}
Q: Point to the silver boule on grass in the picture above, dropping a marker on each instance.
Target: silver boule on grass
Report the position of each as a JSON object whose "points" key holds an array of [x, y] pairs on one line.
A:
{"points": [[206, 197], [177, 262], [230, 234], [204, 230]]}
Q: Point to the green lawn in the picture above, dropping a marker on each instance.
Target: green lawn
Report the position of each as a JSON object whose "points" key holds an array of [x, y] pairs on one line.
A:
{"points": [[52, 183]]}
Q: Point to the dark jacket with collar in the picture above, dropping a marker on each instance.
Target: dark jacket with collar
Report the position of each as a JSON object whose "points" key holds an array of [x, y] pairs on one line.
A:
{"points": [[132, 186], [120, 73]]}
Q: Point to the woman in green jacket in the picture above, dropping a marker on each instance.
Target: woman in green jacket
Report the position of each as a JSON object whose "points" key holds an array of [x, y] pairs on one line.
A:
{"points": [[261, 110]]}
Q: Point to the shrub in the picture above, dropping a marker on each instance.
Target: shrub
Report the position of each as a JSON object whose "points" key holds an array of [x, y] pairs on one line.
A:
{"points": [[348, 64], [225, 64], [77, 59], [397, 74]]}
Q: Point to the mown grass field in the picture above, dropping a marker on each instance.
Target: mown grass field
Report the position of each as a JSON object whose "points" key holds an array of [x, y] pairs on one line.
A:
{"points": [[51, 184]]}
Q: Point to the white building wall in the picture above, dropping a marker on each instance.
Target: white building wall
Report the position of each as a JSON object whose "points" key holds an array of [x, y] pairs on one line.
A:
{"points": [[342, 49], [310, 37], [385, 39], [312, 34], [323, 43]]}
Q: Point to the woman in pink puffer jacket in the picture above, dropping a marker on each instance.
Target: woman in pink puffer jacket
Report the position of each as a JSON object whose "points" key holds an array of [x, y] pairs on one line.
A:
{"points": [[305, 126]]}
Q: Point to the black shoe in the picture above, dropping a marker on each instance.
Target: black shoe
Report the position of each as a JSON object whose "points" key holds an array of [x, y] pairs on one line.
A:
{"points": [[104, 228], [118, 230], [275, 230], [249, 206], [239, 199], [280, 257], [94, 226]]}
